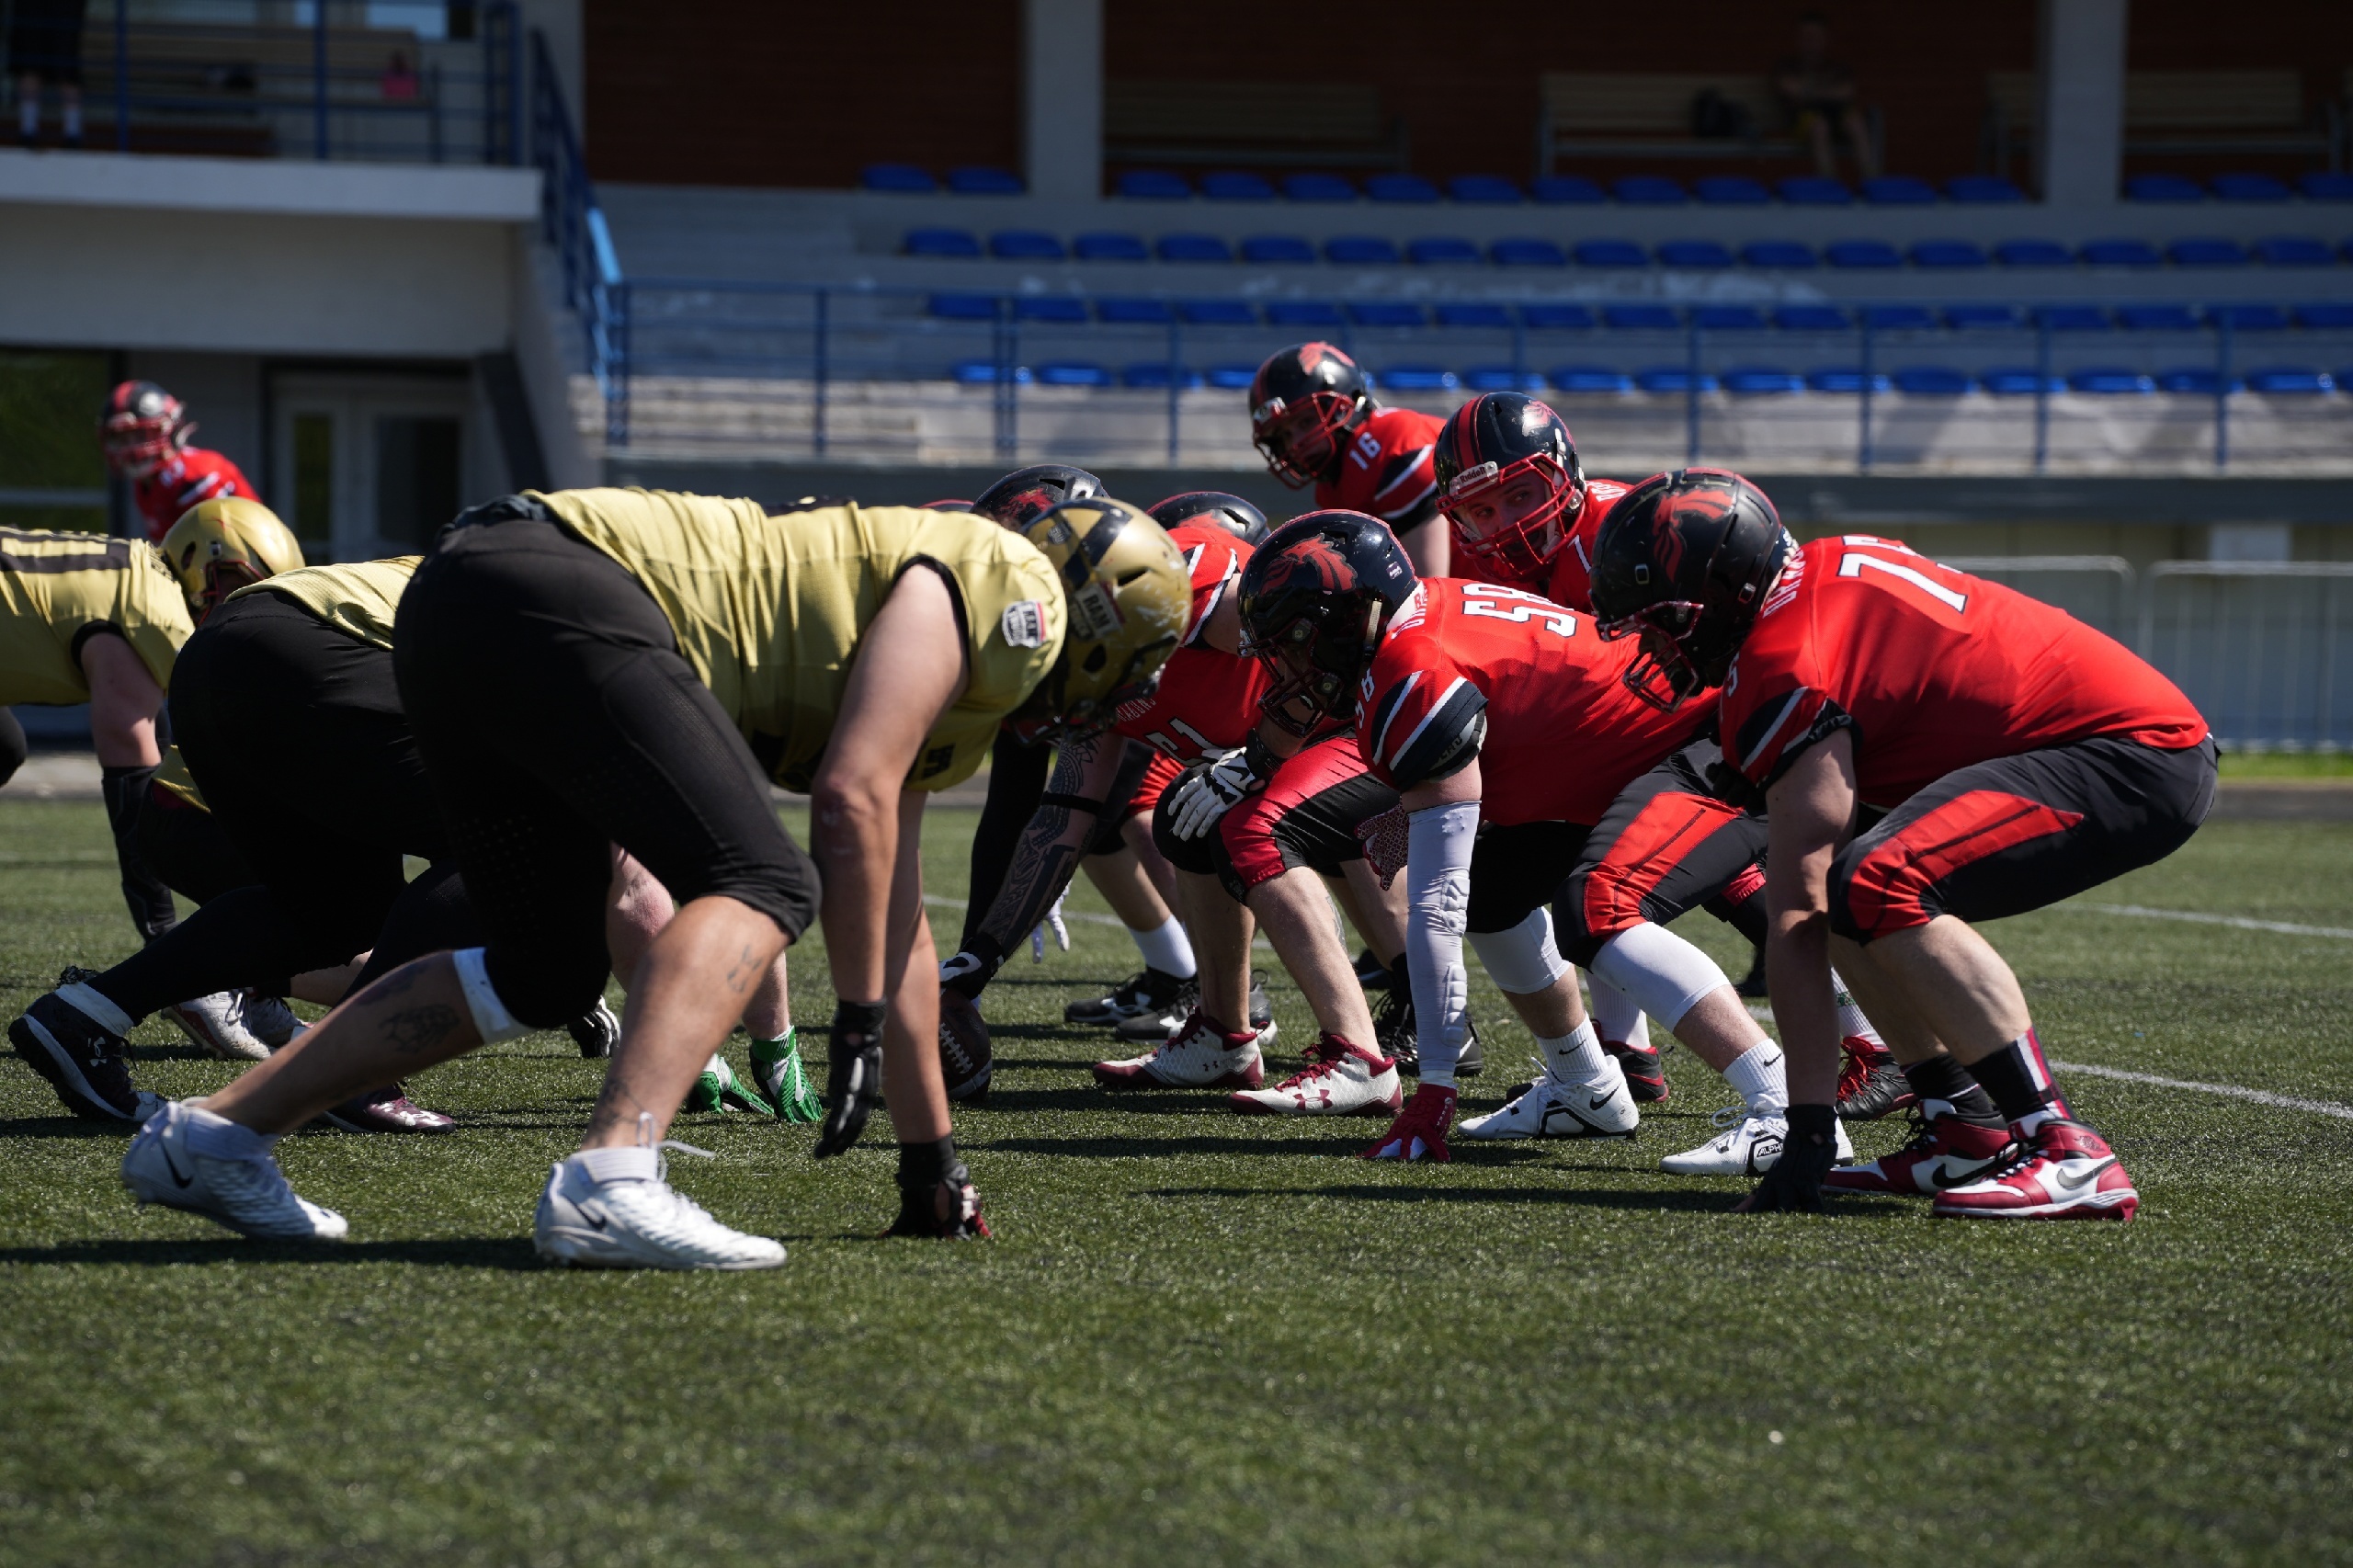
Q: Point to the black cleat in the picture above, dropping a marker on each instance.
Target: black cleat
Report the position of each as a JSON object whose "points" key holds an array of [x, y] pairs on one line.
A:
{"points": [[1645, 1075], [1160, 1024], [595, 1031], [65, 1037], [1394, 1030], [1871, 1086], [1372, 973], [1150, 991]]}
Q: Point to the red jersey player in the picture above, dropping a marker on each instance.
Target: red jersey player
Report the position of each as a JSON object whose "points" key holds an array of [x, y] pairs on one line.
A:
{"points": [[2019, 758], [1314, 420], [1522, 510], [145, 433]]}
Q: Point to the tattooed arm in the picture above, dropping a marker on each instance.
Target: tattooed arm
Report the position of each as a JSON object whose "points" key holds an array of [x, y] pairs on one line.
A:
{"points": [[1044, 857]]}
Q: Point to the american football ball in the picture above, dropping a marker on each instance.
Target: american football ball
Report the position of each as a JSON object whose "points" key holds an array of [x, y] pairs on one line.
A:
{"points": [[966, 1062]]}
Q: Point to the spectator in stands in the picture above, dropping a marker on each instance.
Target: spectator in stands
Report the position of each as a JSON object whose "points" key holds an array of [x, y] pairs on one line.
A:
{"points": [[45, 46], [400, 82], [1818, 94]]}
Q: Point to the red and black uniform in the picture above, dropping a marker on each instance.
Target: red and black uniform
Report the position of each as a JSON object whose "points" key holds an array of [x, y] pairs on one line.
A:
{"points": [[1569, 581], [1589, 798], [1207, 702], [189, 475], [1386, 469], [2020, 755]]}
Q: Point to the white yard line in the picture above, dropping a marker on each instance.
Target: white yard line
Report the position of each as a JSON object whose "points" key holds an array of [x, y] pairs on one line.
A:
{"points": [[2200, 917], [2231, 1091]]}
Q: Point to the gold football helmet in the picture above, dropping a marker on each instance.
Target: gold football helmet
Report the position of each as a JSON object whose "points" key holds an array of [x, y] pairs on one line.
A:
{"points": [[1127, 595], [219, 546]]}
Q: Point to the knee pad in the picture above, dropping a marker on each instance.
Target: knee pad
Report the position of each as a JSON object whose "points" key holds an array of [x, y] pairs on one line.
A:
{"points": [[1523, 959], [534, 992], [492, 1020], [1664, 974]]}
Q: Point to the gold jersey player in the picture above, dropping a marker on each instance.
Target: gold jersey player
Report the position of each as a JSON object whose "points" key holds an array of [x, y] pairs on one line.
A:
{"points": [[634, 667]]}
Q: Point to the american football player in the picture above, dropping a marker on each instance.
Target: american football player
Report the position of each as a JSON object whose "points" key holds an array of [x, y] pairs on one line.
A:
{"points": [[144, 432], [1933, 750], [662, 659], [1314, 419]]}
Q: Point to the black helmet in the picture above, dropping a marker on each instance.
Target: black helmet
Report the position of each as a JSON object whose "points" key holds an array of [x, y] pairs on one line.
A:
{"points": [[1025, 494], [1230, 512], [1489, 445], [1684, 563], [1314, 601], [1307, 375]]}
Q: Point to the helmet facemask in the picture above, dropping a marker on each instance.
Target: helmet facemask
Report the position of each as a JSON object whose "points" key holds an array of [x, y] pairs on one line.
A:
{"points": [[1314, 664], [1665, 673], [1302, 442], [1502, 518]]}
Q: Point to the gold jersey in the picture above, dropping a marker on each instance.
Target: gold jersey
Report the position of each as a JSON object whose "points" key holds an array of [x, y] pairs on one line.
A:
{"points": [[359, 598], [769, 610], [54, 587], [174, 779]]}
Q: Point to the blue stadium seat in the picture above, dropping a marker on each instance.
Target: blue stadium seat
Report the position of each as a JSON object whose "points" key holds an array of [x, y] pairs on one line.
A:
{"points": [[2195, 380], [2110, 382], [2072, 318], [1233, 378], [1566, 191], [1232, 184], [1107, 246], [2016, 381], [1641, 318], [1731, 190], [977, 179], [1649, 191], [1218, 312], [2326, 188], [1410, 189], [1948, 254], [905, 179], [2334, 316], [1761, 381], [2157, 318], [1071, 373], [1728, 318], [1842, 379], [1694, 255], [1417, 377], [1900, 318], [1443, 250], [2033, 253], [1810, 318], [1589, 379], [957, 243], [1982, 191], [1557, 318], [1277, 250], [1862, 253], [1672, 378], [1154, 185], [1501, 377], [1025, 245], [1611, 253], [1384, 313], [2121, 253], [2290, 380], [1527, 253], [1318, 188], [1899, 190], [1132, 313], [1360, 250], [1779, 256], [1813, 190], [1485, 190], [2251, 187], [2164, 188], [2294, 250], [963, 307], [2249, 318], [985, 372], [1930, 381], [1312, 313], [1059, 308], [2206, 252], [1154, 373], [1980, 318], [1475, 316], [1193, 247]]}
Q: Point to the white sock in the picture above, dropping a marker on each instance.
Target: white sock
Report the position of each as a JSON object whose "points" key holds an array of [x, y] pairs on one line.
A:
{"points": [[1756, 1073], [620, 1165], [1574, 1058], [1851, 1022], [1617, 1016], [29, 115], [1168, 950]]}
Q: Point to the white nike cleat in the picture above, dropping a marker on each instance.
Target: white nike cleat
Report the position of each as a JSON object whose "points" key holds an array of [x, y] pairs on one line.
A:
{"points": [[1199, 1056], [217, 1024], [1748, 1145], [269, 1020], [187, 1158], [1551, 1108], [638, 1224], [1341, 1079]]}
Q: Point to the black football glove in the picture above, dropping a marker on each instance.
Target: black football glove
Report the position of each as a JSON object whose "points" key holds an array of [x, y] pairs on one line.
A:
{"points": [[1794, 1184], [853, 1074]]}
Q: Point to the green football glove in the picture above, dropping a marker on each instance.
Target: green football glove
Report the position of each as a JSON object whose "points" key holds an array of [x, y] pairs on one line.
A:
{"points": [[718, 1088], [776, 1068]]}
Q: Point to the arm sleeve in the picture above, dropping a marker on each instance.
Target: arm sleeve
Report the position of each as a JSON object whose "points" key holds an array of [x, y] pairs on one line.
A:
{"points": [[1437, 880]]}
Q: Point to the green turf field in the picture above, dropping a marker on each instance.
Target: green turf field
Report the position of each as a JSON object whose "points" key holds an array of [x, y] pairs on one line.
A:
{"points": [[1205, 1338]]}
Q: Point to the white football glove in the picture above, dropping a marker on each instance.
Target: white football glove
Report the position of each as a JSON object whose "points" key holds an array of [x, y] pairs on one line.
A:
{"points": [[1211, 793], [1054, 920]]}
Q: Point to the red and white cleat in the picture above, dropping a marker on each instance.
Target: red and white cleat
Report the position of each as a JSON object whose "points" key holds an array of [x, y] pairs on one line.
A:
{"points": [[1340, 1079], [1198, 1056], [2064, 1171], [1944, 1152]]}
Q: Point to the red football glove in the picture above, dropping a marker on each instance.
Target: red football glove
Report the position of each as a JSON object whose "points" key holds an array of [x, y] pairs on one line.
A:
{"points": [[1419, 1131]]}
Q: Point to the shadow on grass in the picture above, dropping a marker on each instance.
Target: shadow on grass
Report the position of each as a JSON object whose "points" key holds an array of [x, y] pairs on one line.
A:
{"points": [[1683, 1202], [1343, 1144], [506, 1254], [65, 1126]]}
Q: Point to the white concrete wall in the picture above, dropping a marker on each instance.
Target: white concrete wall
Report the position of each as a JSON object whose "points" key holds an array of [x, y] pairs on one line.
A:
{"points": [[2079, 49], [1061, 93]]}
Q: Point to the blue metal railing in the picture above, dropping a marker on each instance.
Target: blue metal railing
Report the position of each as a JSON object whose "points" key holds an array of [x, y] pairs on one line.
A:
{"points": [[572, 222]]}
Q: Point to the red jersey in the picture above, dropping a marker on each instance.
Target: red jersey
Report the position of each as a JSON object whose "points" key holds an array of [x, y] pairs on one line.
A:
{"points": [[1207, 700], [1388, 470], [1932, 669], [189, 475], [1562, 736], [1571, 581]]}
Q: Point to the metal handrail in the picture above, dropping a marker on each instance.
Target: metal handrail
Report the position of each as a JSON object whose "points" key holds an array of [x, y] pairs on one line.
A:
{"points": [[1980, 564], [2320, 662]]}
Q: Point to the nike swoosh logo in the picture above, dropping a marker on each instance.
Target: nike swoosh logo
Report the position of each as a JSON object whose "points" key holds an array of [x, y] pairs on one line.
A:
{"points": [[2078, 1183], [173, 1166], [1601, 1102], [1937, 1177]]}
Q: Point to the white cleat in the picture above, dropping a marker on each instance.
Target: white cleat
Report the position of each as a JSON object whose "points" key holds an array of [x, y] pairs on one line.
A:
{"points": [[269, 1020], [638, 1224], [1748, 1145], [1341, 1079], [245, 1191], [1551, 1108], [1198, 1056], [217, 1024]]}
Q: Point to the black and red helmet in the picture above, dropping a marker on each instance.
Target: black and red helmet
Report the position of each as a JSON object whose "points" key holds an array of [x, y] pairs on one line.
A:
{"points": [[1510, 481], [1305, 402], [1230, 512], [1315, 599], [1684, 563], [1025, 494], [141, 426]]}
